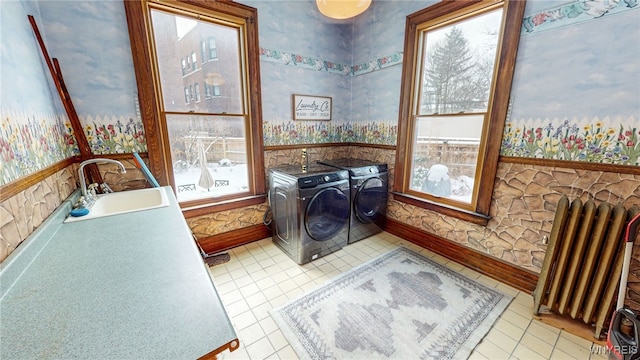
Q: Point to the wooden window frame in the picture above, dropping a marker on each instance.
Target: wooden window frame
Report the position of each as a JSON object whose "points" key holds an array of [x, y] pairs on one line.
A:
{"points": [[140, 34], [513, 12]]}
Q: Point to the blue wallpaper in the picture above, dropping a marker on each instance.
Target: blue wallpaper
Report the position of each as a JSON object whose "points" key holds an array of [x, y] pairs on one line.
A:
{"points": [[583, 104], [32, 131], [575, 93], [92, 42], [343, 59], [24, 85]]}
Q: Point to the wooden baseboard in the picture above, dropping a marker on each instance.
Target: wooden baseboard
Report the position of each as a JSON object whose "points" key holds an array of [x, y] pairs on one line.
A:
{"points": [[500, 270], [228, 240]]}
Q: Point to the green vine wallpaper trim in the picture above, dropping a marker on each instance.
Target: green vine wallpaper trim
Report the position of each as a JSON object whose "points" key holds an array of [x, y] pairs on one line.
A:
{"points": [[310, 63], [579, 11]]}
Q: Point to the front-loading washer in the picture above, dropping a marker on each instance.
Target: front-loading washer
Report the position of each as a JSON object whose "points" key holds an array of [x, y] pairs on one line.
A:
{"points": [[310, 210], [369, 192]]}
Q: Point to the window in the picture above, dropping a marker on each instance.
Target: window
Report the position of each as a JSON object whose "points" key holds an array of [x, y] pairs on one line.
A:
{"points": [[210, 152], [458, 67], [216, 90], [213, 52], [184, 67], [194, 61], [203, 50]]}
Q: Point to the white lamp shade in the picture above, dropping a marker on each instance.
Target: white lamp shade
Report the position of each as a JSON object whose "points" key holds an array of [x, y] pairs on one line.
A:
{"points": [[342, 9]]}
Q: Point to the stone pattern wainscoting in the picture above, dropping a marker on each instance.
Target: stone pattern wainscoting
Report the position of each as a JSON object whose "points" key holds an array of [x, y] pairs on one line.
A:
{"points": [[523, 208], [131, 180], [22, 213], [228, 220]]}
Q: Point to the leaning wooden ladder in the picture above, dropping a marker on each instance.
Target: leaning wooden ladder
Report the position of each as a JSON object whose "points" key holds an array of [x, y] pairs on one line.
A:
{"points": [[81, 140]]}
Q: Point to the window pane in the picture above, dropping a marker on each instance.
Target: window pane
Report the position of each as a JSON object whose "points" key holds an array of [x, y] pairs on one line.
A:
{"points": [[445, 153], [458, 63], [222, 169], [178, 37], [213, 53]]}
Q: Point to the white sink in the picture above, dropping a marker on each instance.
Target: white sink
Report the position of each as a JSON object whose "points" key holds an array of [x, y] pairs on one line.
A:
{"points": [[124, 202]]}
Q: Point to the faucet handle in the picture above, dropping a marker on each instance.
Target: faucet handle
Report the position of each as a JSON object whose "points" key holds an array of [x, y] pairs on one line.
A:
{"points": [[92, 189], [104, 188], [81, 203]]}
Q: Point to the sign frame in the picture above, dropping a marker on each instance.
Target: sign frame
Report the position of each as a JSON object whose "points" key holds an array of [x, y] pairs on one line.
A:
{"points": [[311, 107]]}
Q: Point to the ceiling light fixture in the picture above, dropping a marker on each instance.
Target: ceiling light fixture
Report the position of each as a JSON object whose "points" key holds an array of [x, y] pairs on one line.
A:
{"points": [[342, 9]]}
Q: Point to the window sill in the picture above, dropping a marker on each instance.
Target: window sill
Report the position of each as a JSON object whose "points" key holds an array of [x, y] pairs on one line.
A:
{"points": [[206, 209], [470, 216]]}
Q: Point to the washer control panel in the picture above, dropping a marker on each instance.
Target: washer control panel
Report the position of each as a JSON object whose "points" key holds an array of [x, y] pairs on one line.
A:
{"points": [[369, 170], [315, 180]]}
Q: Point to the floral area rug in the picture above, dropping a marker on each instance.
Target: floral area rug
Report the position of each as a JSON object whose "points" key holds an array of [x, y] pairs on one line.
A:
{"points": [[400, 305]]}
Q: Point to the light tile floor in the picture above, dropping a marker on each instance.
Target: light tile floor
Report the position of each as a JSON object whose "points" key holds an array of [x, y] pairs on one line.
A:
{"points": [[260, 276]]}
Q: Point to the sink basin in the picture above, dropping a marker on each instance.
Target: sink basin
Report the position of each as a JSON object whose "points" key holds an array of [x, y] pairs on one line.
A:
{"points": [[125, 202]]}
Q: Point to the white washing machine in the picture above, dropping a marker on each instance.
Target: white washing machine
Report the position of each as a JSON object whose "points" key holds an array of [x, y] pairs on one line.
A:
{"points": [[369, 192], [310, 210]]}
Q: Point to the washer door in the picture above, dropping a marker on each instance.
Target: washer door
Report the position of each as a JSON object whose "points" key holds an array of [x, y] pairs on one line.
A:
{"points": [[370, 202], [327, 214]]}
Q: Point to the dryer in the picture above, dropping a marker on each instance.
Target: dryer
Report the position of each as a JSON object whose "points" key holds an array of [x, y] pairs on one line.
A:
{"points": [[369, 192], [310, 210]]}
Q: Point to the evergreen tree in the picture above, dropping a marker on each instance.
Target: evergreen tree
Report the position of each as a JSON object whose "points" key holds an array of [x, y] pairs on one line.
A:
{"points": [[454, 80]]}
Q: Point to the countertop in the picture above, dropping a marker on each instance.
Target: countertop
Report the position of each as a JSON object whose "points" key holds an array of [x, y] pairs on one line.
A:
{"points": [[128, 286]]}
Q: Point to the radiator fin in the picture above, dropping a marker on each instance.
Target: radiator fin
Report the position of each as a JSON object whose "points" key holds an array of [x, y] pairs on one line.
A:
{"points": [[607, 258], [577, 255], [581, 271]]}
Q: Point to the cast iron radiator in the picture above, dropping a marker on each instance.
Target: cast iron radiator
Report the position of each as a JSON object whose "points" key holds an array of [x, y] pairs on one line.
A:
{"points": [[581, 270]]}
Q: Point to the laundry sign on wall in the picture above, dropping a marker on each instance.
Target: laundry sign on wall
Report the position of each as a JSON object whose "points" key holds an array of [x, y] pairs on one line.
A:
{"points": [[309, 107]]}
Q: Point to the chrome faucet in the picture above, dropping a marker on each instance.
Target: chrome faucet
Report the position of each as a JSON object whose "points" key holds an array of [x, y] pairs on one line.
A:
{"points": [[83, 183]]}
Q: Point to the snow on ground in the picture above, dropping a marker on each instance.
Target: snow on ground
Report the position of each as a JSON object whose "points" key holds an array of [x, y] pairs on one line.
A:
{"points": [[462, 188], [438, 182], [236, 176]]}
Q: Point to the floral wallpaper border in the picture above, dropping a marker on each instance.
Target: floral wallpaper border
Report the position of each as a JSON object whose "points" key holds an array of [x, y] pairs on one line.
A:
{"points": [[586, 140], [280, 132], [113, 135], [31, 142], [575, 12], [310, 63]]}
